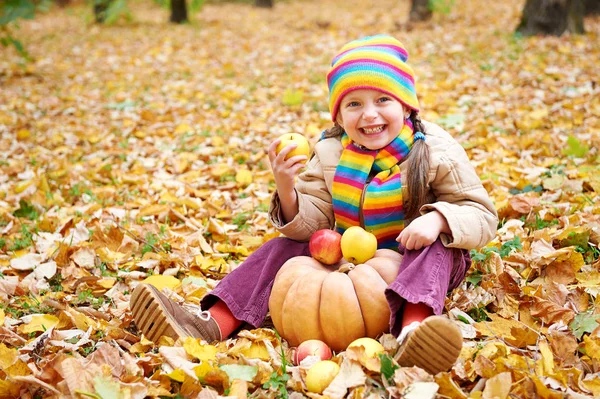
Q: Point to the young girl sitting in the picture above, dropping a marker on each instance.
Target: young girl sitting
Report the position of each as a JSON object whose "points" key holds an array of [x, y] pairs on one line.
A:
{"points": [[380, 167]]}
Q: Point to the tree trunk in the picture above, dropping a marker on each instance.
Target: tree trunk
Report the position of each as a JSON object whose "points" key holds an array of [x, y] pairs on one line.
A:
{"points": [[178, 11], [592, 7], [264, 3], [419, 11], [63, 3], [100, 8], [552, 17]]}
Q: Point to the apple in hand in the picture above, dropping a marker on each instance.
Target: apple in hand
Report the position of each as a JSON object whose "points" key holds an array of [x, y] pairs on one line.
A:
{"points": [[302, 146], [325, 246], [358, 245], [312, 347]]}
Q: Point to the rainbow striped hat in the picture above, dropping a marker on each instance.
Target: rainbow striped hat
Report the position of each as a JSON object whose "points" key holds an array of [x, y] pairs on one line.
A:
{"points": [[374, 62]]}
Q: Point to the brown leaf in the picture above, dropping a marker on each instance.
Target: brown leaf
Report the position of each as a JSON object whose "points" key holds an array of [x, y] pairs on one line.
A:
{"points": [[350, 375], [550, 312], [564, 346]]}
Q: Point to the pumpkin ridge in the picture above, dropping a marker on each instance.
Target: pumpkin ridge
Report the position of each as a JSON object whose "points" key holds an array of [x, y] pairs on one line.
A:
{"points": [[369, 287]]}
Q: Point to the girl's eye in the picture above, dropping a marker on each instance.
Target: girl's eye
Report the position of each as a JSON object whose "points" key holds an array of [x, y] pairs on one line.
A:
{"points": [[383, 99], [353, 104]]}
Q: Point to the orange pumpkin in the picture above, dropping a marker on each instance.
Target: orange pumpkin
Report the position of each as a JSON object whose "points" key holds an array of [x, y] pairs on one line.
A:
{"points": [[312, 301]]}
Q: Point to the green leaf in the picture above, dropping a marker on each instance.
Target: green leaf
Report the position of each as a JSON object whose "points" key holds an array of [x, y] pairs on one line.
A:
{"points": [[584, 323], [196, 5], [107, 389], [26, 210], [474, 278], [239, 372], [293, 97], [575, 148], [11, 10], [388, 368], [509, 246], [452, 121], [199, 281]]}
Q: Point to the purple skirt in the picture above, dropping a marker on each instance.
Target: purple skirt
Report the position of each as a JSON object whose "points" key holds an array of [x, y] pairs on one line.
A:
{"points": [[425, 276]]}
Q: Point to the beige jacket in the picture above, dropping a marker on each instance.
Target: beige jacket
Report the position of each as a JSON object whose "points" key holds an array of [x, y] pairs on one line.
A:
{"points": [[455, 191]]}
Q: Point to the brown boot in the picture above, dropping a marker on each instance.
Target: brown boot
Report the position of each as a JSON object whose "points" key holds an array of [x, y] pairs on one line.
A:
{"points": [[434, 345], [157, 315]]}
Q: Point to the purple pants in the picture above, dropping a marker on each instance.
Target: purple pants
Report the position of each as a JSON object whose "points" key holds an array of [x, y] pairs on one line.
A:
{"points": [[425, 276]]}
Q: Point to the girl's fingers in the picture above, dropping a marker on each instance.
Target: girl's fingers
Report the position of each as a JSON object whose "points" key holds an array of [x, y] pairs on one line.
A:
{"points": [[399, 238], [296, 159]]}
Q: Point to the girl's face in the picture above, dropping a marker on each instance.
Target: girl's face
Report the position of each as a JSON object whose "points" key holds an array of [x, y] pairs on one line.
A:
{"points": [[371, 118]]}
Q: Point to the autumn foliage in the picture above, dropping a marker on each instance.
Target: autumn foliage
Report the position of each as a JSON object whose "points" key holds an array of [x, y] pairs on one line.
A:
{"points": [[136, 152]]}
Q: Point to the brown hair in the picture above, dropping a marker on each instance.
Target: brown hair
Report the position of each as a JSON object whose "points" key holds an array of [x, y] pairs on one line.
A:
{"points": [[417, 168]]}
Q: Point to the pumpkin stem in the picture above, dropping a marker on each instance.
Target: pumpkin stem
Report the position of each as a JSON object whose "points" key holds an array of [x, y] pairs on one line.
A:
{"points": [[346, 267]]}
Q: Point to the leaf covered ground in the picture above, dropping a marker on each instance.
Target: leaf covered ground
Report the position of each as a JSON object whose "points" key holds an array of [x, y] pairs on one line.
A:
{"points": [[137, 150]]}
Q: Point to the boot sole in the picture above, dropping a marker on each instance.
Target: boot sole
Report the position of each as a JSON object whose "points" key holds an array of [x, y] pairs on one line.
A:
{"points": [[152, 317], [434, 346]]}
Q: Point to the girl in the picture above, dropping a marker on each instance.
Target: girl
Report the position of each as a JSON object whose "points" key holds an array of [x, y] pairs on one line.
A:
{"points": [[407, 181]]}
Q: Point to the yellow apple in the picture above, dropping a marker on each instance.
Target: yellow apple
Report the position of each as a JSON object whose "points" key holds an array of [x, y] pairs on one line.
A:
{"points": [[358, 245], [372, 347], [302, 146], [320, 375]]}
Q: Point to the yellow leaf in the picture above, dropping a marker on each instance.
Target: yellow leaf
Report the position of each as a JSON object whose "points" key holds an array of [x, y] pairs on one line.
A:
{"points": [[203, 369], [106, 283], [257, 350], [448, 387], [232, 249], [199, 351], [155, 209], [177, 375], [39, 323], [81, 321], [160, 281], [22, 186], [8, 356], [592, 346], [218, 141], [2, 316], [94, 139], [9, 389], [498, 387], [593, 385], [497, 327], [189, 203], [183, 128], [547, 357], [18, 369], [243, 177], [494, 350], [23, 134]]}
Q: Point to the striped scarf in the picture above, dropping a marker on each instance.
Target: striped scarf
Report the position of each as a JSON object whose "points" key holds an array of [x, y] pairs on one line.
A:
{"points": [[382, 210]]}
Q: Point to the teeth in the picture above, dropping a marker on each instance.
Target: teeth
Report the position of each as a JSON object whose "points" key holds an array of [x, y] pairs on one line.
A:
{"points": [[374, 130]]}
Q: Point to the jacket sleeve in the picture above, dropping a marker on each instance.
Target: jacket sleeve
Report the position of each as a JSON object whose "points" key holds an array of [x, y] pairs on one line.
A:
{"points": [[314, 201], [463, 201]]}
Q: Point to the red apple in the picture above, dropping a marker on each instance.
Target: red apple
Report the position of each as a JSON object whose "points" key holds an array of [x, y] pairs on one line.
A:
{"points": [[312, 347], [325, 246]]}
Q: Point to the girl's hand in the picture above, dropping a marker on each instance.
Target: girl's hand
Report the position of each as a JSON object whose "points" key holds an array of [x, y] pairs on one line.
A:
{"points": [[284, 172], [423, 231]]}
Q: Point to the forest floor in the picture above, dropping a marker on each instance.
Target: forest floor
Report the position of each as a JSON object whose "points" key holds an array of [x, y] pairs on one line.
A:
{"points": [[137, 151]]}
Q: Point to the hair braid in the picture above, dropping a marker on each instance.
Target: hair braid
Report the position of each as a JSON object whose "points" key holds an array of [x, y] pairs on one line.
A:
{"points": [[417, 172]]}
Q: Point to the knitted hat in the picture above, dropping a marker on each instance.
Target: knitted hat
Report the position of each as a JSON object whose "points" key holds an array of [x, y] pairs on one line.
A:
{"points": [[374, 62]]}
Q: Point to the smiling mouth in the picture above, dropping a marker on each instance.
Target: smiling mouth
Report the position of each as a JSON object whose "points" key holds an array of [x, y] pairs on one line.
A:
{"points": [[373, 130]]}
